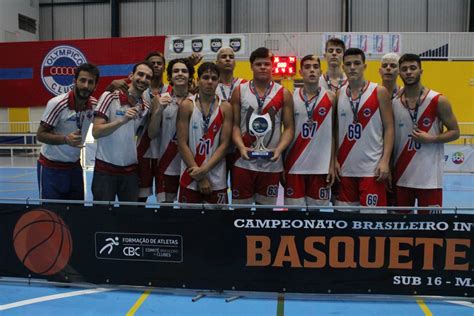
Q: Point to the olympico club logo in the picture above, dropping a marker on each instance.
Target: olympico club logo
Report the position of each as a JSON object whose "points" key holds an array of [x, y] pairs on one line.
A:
{"points": [[178, 46], [426, 122], [57, 68], [235, 44], [216, 44], [458, 157], [367, 112], [197, 45]]}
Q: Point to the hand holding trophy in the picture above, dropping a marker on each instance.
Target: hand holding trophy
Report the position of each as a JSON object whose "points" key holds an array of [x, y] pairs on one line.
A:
{"points": [[259, 126]]}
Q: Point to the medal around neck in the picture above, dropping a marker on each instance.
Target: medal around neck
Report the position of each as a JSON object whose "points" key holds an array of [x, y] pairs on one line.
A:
{"points": [[260, 125]]}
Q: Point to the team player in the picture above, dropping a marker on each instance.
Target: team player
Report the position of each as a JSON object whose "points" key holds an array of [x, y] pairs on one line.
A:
{"points": [[163, 123], [147, 149], [62, 131], [118, 118], [420, 114], [365, 136], [204, 129], [389, 72], [225, 61], [256, 180], [309, 163], [334, 78]]}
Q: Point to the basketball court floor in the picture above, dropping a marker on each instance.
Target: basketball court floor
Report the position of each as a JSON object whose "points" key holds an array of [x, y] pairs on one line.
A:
{"points": [[21, 297]]}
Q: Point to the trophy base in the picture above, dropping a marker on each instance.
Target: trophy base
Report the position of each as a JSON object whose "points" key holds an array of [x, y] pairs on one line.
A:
{"points": [[260, 154]]}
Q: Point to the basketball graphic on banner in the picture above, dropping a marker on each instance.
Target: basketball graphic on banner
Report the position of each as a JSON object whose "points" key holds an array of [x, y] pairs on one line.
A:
{"points": [[42, 242], [57, 68]]}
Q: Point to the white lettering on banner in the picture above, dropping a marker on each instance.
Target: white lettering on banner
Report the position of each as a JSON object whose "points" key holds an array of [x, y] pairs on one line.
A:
{"points": [[354, 225], [207, 45]]}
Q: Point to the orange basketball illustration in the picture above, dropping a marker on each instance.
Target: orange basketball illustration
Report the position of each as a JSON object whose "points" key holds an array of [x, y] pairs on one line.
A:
{"points": [[42, 242]]}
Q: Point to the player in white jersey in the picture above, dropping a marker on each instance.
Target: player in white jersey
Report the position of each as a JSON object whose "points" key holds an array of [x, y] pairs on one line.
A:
{"points": [[365, 136], [147, 149], [62, 131], [260, 106], [204, 130], [225, 61], [163, 124], [117, 121], [334, 78], [389, 73], [420, 114], [309, 163]]}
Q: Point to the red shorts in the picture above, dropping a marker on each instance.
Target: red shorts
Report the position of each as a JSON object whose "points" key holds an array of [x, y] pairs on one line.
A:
{"points": [[299, 186], [190, 196], [426, 197], [147, 168], [364, 190], [249, 186], [167, 187]]}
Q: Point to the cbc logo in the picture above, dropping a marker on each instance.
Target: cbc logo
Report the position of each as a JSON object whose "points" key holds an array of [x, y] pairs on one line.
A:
{"points": [[131, 251], [58, 66]]}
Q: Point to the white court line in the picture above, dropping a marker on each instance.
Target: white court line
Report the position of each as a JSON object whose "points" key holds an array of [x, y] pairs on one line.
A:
{"points": [[463, 303], [52, 297]]}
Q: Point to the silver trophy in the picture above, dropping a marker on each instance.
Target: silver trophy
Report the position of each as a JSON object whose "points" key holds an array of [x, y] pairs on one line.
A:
{"points": [[259, 126]]}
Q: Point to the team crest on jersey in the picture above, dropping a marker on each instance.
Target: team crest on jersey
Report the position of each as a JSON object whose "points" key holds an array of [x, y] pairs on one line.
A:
{"points": [[89, 115], [290, 191], [197, 45], [322, 111], [367, 112], [216, 44], [235, 193], [58, 66], [178, 46], [426, 122], [235, 44], [195, 126]]}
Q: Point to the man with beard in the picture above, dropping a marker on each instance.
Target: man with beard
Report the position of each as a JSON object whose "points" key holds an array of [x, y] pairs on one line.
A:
{"points": [[389, 72], [118, 118], [62, 131], [420, 114]]}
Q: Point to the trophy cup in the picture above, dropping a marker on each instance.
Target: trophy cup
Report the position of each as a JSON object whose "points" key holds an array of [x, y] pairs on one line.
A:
{"points": [[259, 126]]}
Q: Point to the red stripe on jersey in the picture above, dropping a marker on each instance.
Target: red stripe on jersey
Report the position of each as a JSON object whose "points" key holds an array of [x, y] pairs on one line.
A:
{"points": [[372, 103], [61, 105], [407, 155], [104, 106], [143, 142], [301, 143], [168, 156], [276, 102], [200, 156]]}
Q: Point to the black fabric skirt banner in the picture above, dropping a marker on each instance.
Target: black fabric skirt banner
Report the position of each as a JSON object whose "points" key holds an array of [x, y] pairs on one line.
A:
{"points": [[267, 251]]}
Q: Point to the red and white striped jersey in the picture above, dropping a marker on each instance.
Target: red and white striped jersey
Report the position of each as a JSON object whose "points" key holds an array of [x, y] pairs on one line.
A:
{"points": [[204, 145], [310, 150], [361, 142], [418, 165], [273, 105], [61, 117]]}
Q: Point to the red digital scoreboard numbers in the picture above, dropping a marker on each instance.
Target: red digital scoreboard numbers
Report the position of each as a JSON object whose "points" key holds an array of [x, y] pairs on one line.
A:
{"points": [[284, 65]]}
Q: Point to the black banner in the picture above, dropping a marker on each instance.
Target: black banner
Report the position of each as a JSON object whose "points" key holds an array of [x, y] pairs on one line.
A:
{"points": [[295, 252]]}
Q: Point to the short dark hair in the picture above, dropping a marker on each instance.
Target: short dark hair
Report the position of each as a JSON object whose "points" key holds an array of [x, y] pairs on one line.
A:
{"points": [[336, 42], [354, 52], [261, 52], [87, 67], [146, 63], [409, 57], [208, 66], [169, 69], [156, 54], [309, 57]]}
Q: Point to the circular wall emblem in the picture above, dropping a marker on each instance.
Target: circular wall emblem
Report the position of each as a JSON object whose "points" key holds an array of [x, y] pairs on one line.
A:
{"points": [[57, 68], [458, 157]]}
